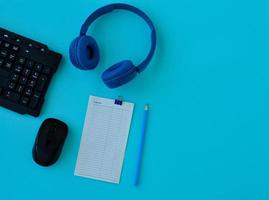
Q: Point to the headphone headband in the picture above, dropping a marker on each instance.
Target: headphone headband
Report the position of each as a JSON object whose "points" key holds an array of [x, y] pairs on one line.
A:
{"points": [[119, 6]]}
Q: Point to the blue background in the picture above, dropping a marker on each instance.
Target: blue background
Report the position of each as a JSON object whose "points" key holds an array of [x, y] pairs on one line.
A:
{"points": [[207, 87]]}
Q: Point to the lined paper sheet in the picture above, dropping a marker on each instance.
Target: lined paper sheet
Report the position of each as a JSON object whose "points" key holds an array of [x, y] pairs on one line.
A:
{"points": [[104, 139]]}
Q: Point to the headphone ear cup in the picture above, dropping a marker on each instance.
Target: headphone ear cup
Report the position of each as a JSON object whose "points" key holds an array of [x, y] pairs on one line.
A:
{"points": [[84, 52], [72, 52], [119, 74]]}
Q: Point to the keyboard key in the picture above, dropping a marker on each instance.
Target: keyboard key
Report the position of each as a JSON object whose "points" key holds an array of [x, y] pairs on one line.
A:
{"points": [[26, 72], [24, 100], [30, 64], [18, 40], [28, 91], [12, 57], [31, 83], [21, 61], [12, 85], [20, 88], [13, 96], [8, 65], [38, 67], [14, 77], [34, 100], [15, 48], [34, 75], [37, 94], [7, 45], [23, 80], [18, 69], [3, 53], [41, 82]]}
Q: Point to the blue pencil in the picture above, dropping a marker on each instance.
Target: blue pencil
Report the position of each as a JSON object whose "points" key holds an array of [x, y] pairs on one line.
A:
{"points": [[141, 145]]}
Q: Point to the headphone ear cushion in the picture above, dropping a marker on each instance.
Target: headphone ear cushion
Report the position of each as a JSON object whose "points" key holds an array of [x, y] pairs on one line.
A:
{"points": [[84, 52], [119, 74], [72, 52]]}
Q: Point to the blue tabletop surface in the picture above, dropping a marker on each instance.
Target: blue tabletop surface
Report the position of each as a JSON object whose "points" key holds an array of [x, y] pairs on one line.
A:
{"points": [[207, 87]]}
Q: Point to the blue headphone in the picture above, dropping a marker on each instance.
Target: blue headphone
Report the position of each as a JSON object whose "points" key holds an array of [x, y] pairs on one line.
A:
{"points": [[84, 52]]}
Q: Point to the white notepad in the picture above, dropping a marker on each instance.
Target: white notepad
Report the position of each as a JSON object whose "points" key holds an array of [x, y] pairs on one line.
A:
{"points": [[104, 139]]}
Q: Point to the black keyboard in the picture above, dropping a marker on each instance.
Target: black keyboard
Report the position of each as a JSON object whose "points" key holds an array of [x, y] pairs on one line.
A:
{"points": [[26, 69]]}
